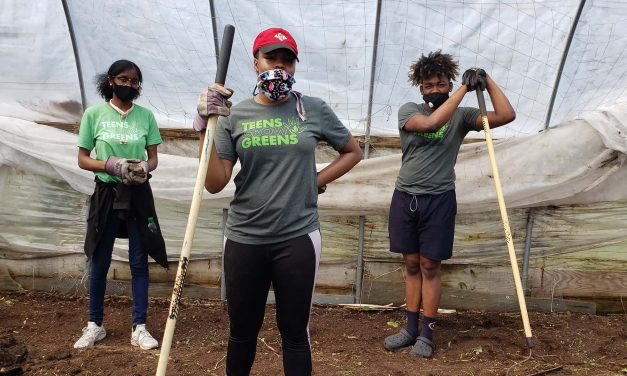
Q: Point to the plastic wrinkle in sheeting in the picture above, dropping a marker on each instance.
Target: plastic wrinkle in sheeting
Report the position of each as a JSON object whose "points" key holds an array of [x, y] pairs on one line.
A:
{"points": [[50, 152], [559, 165]]}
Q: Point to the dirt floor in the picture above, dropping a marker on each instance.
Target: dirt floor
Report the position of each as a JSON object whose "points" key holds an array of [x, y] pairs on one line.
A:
{"points": [[37, 331]]}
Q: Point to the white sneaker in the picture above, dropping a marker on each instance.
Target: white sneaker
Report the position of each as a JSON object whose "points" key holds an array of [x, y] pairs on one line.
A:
{"points": [[92, 333], [140, 337]]}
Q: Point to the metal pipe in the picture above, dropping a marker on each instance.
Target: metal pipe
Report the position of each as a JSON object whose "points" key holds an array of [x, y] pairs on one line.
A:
{"points": [[558, 77], [373, 71], [214, 28], [362, 219], [359, 273], [77, 59], [525, 272]]}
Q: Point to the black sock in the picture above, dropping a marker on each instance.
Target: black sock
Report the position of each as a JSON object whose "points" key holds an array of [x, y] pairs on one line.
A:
{"points": [[428, 325], [412, 323]]}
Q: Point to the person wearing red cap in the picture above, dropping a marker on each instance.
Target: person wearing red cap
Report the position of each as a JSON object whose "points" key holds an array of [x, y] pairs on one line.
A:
{"points": [[272, 231]]}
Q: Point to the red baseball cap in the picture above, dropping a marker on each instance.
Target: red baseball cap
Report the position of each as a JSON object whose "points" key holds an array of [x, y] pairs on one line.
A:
{"points": [[275, 38]]}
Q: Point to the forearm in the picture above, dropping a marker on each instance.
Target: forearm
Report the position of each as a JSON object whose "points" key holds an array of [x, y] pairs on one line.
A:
{"points": [[439, 117], [92, 165], [153, 158], [86, 162], [443, 114], [152, 164], [348, 158], [503, 111], [217, 175]]}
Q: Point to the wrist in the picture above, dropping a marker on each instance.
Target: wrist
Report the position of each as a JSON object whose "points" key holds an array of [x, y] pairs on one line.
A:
{"points": [[111, 164], [200, 123]]}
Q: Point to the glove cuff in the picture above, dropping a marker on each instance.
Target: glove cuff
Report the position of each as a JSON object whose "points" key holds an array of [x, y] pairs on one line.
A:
{"points": [[145, 165], [112, 167], [200, 123]]}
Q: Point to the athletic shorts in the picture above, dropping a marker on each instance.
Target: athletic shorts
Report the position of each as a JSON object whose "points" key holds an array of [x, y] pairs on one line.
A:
{"points": [[423, 224]]}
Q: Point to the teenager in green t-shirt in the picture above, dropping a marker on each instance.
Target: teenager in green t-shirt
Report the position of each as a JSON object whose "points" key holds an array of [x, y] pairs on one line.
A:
{"points": [[422, 212], [272, 231], [124, 137]]}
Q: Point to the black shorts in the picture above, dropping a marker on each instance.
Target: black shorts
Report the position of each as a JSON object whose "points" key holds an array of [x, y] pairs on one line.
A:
{"points": [[423, 224]]}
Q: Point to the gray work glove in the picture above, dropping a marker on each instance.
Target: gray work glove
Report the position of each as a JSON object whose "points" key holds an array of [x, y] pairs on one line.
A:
{"points": [[137, 173], [130, 170], [212, 101], [474, 78]]}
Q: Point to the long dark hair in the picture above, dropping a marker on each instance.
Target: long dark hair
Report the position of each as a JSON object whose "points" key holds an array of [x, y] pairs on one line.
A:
{"points": [[102, 80]]}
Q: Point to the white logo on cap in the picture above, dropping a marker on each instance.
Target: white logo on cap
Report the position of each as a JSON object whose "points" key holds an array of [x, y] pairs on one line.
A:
{"points": [[280, 37]]}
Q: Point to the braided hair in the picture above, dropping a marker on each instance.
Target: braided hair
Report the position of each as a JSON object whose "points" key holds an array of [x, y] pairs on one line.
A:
{"points": [[434, 64]]}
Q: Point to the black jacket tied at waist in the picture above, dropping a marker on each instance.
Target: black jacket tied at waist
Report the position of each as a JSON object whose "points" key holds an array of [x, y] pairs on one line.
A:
{"points": [[126, 200]]}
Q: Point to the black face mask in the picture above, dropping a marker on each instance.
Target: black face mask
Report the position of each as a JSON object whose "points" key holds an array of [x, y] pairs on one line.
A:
{"points": [[435, 100], [125, 93]]}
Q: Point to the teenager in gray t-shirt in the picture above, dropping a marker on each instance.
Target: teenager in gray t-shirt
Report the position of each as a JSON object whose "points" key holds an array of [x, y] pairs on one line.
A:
{"points": [[276, 188], [272, 231], [421, 221], [428, 164]]}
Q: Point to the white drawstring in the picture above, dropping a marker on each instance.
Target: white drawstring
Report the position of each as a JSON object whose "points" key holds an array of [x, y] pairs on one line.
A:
{"points": [[413, 205]]}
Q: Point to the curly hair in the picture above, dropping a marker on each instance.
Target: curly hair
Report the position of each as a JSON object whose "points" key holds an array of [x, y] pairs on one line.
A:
{"points": [[435, 64]]}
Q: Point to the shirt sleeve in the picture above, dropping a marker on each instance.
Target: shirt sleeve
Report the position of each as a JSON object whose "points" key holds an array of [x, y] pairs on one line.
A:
{"points": [[223, 140], [333, 130], [86, 131], [469, 116], [154, 136], [405, 112]]}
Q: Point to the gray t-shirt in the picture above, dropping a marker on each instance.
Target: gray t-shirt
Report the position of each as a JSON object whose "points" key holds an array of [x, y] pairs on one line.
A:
{"points": [[276, 195], [428, 165]]}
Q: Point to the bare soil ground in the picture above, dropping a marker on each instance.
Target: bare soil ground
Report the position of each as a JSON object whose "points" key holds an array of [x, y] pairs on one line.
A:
{"points": [[37, 331]]}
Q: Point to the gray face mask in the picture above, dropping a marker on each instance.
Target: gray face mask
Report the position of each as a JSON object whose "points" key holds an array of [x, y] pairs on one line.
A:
{"points": [[435, 100]]}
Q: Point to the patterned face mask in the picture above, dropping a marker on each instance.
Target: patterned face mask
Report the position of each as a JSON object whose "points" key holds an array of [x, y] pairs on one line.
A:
{"points": [[276, 84]]}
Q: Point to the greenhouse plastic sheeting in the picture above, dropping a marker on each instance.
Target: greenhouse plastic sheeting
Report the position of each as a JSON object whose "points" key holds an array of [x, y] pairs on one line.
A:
{"points": [[521, 44], [582, 160], [44, 195]]}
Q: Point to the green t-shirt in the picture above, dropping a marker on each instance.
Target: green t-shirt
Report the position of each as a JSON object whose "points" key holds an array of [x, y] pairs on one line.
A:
{"points": [[103, 128], [428, 164], [276, 194]]}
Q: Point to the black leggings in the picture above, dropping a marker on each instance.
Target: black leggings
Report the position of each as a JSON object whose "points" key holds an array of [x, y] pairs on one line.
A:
{"points": [[248, 270]]}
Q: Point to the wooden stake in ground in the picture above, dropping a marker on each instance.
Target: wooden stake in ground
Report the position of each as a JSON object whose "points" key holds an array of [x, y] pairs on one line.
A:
{"points": [[508, 233], [223, 64]]}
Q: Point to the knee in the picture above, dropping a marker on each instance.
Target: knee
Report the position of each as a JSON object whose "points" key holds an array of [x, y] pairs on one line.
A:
{"points": [[294, 335], [430, 270], [296, 342], [139, 269], [242, 330], [138, 261], [412, 268], [98, 272], [242, 338], [97, 275]]}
